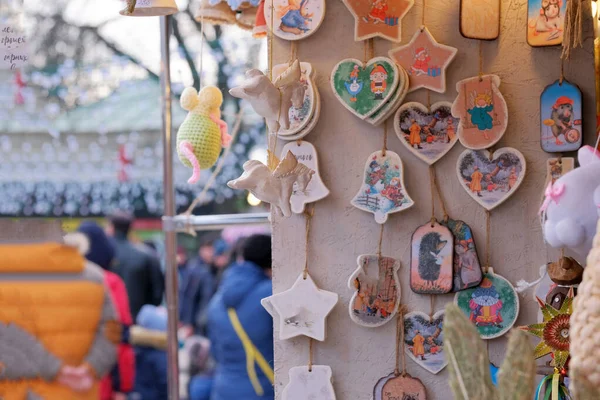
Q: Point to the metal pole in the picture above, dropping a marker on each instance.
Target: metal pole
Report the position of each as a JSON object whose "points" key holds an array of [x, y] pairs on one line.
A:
{"points": [[169, 211]]}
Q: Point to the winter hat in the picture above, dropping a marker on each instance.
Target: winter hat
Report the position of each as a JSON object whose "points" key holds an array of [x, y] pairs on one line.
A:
{"points": [[378, 69], [420, 50], [257, 249], [220, 247], [101, 250], [153, 318]]}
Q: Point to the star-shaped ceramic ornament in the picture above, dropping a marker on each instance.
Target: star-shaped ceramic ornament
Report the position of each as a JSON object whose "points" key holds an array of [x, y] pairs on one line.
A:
{"points": [[425, 60], [378, 18], [302, 309]]}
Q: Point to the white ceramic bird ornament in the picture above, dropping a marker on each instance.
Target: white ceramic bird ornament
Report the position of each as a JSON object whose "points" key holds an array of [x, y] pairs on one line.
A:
{"points": [[274, 186], [572, 205], [273, 100]]}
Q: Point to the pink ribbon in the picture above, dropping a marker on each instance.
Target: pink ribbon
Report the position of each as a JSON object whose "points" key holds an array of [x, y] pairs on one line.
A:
{"points": [[553, 193]]}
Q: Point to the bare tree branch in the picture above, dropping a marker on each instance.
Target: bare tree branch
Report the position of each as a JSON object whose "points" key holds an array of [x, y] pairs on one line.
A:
{"points": [[186, 53]]}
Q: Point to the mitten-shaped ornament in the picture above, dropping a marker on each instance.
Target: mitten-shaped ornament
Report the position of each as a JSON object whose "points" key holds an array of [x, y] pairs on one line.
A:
{"points": [[202, 133]]}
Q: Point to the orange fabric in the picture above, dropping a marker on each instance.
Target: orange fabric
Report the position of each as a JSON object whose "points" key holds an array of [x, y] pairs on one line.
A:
{"points": [[45, 390], [43, 257]]}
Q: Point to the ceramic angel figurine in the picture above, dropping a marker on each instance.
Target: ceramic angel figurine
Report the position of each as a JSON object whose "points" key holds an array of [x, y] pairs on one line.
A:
{"points": [[273, 100], [203, 132], [571, 206], [274, 187]]}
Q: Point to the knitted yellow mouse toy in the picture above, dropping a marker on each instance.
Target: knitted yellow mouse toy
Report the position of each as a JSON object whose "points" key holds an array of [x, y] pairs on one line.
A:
{"points": [[202, 133]]}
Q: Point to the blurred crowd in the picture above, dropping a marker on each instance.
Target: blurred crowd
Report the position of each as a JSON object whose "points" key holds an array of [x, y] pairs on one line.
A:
{"points": [[225, 335]]}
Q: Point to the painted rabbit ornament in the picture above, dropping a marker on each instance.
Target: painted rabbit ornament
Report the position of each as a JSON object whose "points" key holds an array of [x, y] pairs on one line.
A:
{"points": [[203, 132]]}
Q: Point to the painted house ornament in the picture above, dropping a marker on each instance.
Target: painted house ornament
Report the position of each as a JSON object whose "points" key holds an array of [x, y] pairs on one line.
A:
{"points": [[316, 190], [490, 179], [467, 269], [364, 89], [425, 60], [402, 387], [302, 309], [376, 290], [493, 306], [382, 191], [431, 261], [314, 383], [428, 133], [561, 118], [482, 112], [294, 19], [378, 18], [424, 340]]}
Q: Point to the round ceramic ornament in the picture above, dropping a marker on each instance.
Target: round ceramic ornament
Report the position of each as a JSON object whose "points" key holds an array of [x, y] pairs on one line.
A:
{"points": [[311, 124], [490, 179], [294, 19], [376, 290], [402, 387], [424, 340], [428, 133], [493, 306]]}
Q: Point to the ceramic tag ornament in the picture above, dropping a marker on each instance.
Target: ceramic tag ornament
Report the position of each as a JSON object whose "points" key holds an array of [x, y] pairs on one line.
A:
{"points": [[295, 19], [383, 191], [493, 306], [571, 207], [545, 22], [431, 260], [313, 384], [557, 167], [429, 135], [467, 269], [315, 190], [401, 387], [491, 179], [560, 113], [363, 90], [378, 18], [274, 187], [424, 340], [299, 117], [482, 112], [425, 60], [376, 290], [302, 309], [480, 19], [272, 100]]}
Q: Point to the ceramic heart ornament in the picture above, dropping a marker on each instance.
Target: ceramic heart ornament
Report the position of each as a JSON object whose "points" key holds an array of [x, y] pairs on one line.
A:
{"points": [[364, 89], [376, 290], [384, 112], [316, 189], [491, 179], [482, 112], [314, 383], [424, 340], [382, 191], [428, 134]]}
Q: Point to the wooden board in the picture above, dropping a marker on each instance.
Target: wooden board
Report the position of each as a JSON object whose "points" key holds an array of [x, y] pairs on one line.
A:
{"points": [[480, 19]]}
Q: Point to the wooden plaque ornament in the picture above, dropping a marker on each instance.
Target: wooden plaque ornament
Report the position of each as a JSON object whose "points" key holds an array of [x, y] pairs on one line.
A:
{"points": [[546, 22], [467, 269], [425, 60], [482, 111], [561, 118], [302, 309], [376, 290], [382, 191], [314, 382], [378, 18], [490, 179], [384, 112], [431, 261], [294, 19], [424, 340], [364, 89], [315, 189], [480, 19], [428, 134], [402, 387], [493, 306]]}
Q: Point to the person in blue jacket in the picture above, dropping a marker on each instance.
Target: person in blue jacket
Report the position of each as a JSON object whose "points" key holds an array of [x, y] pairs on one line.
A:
{"points": [[239, 327]]}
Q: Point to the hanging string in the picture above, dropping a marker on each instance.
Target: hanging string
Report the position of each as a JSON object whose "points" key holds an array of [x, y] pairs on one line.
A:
{"points": [[488, 250], [310, 353], [308, 213], [439, 194], [572, 36], [371, 48], [428, 99], [270, 40], [293, 52], [432, 190], [480, 60], [380, 241], [423, 15], [400, 341], [431, 307], [385, 137], [562, 72]]}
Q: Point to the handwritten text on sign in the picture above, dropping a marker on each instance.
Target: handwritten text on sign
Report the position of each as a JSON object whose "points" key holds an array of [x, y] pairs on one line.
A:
{"points": [[13, 47]]}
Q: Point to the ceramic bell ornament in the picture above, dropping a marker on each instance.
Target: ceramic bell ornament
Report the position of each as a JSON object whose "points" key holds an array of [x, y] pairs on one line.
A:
{"points": [[571, 206], [272, 100], [202, 134], [218, 14], [149, 8]]}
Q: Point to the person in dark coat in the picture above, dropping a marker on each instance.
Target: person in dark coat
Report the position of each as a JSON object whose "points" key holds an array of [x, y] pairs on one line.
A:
{"points": [[244, 285], [139, 270]]}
